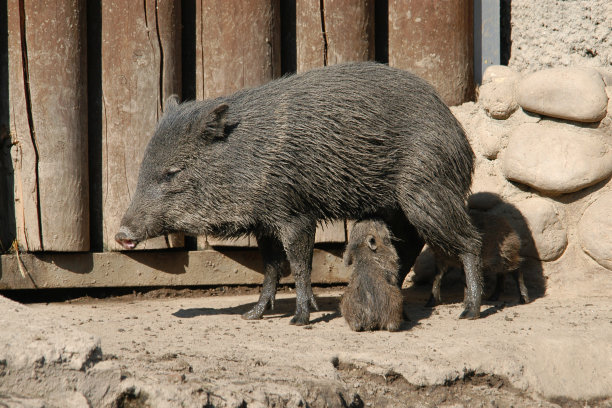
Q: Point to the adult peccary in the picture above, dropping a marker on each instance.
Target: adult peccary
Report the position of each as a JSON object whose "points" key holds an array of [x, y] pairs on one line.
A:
{"points": [[372, 300], [500, 255], [352, 141]]}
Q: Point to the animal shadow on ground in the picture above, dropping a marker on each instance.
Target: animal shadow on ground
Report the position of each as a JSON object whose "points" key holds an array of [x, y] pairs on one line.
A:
{"points": [[531, 266], [282, 308], [414, 311]]}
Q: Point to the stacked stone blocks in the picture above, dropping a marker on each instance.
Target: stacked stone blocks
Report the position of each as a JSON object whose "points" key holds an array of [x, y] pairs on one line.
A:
{"points": [[543, 143]]}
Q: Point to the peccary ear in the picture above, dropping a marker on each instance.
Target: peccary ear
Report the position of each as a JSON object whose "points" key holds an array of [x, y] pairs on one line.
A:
{"points": [[215, 122], [371, 240], [171, 103]]}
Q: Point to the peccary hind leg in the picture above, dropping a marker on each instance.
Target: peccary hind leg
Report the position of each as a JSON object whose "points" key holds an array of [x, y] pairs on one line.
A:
{"points": [[273, 257], [406, 241], [298, 241], [473, 285], [450, 229]]}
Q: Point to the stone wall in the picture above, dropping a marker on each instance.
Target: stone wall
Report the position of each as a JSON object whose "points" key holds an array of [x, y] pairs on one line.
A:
{"points": [[543, 146], [552, 33]]}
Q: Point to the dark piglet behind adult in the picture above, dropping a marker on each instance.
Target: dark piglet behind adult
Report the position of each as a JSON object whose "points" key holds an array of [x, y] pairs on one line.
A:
{"points": [[372, 300], [351, 141], [501, 246]]}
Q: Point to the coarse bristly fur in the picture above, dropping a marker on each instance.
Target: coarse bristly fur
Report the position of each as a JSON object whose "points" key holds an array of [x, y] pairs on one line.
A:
{"points": [[372, 299], [500, 254], [349, 141]]}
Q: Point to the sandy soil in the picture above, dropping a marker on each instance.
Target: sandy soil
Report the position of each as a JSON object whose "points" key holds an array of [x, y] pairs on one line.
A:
{"points": [[191, 348]]}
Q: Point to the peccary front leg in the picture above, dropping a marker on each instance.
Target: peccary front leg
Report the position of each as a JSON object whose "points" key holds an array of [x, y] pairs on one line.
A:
{"points": [[473, 286], [298, 241], [273, 257]]}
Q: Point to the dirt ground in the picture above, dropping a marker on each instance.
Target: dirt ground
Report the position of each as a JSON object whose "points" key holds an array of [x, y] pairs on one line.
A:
{"points": [[190, 348]]}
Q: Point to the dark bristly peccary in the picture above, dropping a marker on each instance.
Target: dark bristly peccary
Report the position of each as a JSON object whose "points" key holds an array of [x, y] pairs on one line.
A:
{"points": [[354, 141], [501, 246], [373, 299]]}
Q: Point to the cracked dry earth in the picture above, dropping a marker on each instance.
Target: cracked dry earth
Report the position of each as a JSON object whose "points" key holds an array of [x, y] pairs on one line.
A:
{"points": [[190, 349]]}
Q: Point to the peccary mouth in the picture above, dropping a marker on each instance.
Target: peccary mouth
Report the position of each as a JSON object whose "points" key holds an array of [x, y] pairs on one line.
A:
{"points": [[124, 240]]}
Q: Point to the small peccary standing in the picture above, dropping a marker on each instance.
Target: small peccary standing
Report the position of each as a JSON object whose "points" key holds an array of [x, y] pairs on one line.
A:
{"points": [[347, 141], [373, 300], [501, 245]]}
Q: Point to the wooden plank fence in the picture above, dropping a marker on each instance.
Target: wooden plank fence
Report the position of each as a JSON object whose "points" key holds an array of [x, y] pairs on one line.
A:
{"points": [[52, 144]]}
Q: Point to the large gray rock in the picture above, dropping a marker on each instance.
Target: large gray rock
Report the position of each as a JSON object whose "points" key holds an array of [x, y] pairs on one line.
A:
{"points": [[555, 159], [568, 93], [497, 95], [595, 230], [497, 99], [544, 229]]}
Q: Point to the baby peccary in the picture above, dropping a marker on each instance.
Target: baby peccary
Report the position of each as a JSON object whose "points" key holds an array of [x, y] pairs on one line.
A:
{"points": [[501, 246], [373, 299]]}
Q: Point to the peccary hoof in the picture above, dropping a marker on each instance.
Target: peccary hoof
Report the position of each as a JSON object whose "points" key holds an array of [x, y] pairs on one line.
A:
{"points": [[300, 319], [470, 314], [253, 314]]}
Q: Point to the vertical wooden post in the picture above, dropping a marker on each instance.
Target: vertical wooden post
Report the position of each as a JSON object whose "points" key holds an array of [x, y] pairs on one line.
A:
{"points": [[237, 46], [140, 69], [333, 31], [48, 123], [434, 39]]}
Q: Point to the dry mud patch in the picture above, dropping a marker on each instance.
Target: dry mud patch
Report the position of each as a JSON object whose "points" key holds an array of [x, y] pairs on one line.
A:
{"points": [[190, 349]]}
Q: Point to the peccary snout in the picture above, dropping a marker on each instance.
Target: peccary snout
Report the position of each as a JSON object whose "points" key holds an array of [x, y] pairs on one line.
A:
{"points": [[123, 237]]}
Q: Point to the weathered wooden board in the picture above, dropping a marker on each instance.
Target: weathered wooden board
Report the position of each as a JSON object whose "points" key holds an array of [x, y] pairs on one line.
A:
{"points": [[48, 123], [157, 268], [141, 56], [333, 31], [334, 231], [237, 46], [434, 39]]}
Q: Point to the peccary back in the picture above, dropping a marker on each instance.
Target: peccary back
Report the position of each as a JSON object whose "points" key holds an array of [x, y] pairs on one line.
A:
{"points": [[372, 299]]}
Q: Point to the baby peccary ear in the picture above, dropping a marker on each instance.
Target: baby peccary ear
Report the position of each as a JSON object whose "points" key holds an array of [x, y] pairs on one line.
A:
{"points": [[214, 122], [371, 240], [171, 103]]}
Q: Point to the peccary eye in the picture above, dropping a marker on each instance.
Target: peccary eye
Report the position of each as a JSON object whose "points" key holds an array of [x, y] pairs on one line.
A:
{"points": [[171, 173]]}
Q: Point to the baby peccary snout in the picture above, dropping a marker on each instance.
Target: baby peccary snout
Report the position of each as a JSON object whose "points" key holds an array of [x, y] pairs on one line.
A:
{"points": [[500, 253], [372, 299]]}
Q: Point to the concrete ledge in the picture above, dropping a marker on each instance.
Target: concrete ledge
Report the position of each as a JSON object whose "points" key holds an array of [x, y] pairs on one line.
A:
{"points": [[153, 268]]}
